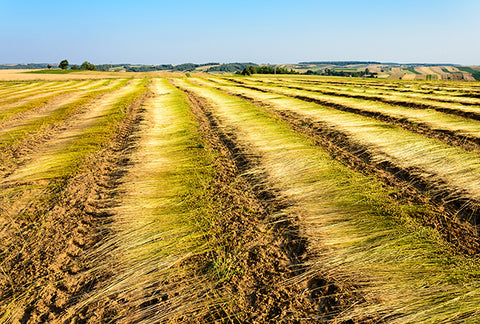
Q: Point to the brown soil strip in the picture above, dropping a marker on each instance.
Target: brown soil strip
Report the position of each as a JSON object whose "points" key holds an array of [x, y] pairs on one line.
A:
{"points": [[466, 142], [52, 257], [448, 215], [273, 249]]}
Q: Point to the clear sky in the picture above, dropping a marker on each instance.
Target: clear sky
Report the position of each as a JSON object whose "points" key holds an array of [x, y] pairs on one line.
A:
{"points": [[260, 31]]}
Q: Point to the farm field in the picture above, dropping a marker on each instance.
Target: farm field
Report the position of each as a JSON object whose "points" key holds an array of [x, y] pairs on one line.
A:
{"points": [[162, 198]]}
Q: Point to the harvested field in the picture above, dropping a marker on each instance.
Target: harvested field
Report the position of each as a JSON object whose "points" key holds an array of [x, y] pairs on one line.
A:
{"points": [[156, 198]]}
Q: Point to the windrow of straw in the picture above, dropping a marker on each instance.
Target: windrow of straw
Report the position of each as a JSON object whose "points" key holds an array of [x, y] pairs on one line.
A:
{"points": [[18, 131], [24, 96], [9, 87], [32, 102], [443, 107], [161, 254]]}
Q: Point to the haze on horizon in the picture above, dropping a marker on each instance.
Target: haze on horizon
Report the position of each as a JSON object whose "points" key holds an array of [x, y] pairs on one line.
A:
{"points": [[173, 32]]}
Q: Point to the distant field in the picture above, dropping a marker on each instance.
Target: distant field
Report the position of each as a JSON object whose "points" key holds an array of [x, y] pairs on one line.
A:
{"points": [[161, 198], [393, 71]]}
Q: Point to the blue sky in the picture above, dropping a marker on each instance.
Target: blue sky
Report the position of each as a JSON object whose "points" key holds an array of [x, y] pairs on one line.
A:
{"points": [[158, 32]]}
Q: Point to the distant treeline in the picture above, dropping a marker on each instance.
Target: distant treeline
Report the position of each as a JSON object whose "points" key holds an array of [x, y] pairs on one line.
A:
{"points": [[24, 66], [186, 67], [230, 67], [267, 69]]}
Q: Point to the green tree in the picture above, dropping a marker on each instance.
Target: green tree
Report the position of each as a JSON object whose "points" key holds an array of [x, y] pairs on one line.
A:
{"points": [[49, 66], [63, 64], [87, 66], [74, 67]]}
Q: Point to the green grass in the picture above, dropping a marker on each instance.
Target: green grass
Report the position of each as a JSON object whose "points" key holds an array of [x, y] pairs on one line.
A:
{"points": [[412, 70], [402, 268], [52, 71]]}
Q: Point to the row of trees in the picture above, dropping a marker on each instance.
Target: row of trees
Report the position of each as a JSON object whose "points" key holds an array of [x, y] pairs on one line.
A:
{"points": [[332, 72], [267, 69], [86, 66]]}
